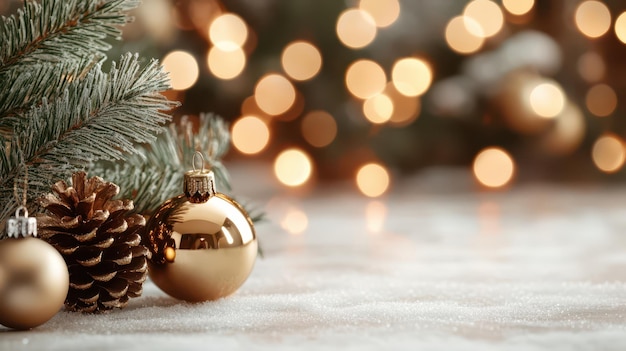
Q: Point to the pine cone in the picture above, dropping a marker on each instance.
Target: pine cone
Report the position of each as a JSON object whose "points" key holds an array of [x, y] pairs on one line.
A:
{"points": [[101, 246]]}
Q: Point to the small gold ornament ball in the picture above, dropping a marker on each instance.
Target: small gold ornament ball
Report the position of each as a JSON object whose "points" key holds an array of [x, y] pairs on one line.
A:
{"points": [[33, 282], [203, 249]]}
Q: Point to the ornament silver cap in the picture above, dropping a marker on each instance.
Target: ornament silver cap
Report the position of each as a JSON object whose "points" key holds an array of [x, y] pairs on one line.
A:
{"points": [[199, 185], [21, 224]]}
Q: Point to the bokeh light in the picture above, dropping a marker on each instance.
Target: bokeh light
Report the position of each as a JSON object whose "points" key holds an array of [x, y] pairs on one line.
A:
{"points": [[249, 107], [372, 180], [516, 96], [228, 32], [460, 38], [518, 7], [319, 128], [226, 64], [375, 216], [274, 94], [365, 78], [406, 109], [200, 14], [593, 18], [493, 167], [487, 14], [547, 99], [183, 69], [384, 12], [301, 60], [601, 100], [293, 167], [608, 153], [250, 135], [411, 76], [295, 221], [620, 27], [157, 19], [356, 28], [591, 67], [295, 110], [378, 109], [567, 132]]}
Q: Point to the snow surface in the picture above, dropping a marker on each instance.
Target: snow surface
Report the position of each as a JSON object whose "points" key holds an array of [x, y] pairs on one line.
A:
{"points": [[536, 268]]}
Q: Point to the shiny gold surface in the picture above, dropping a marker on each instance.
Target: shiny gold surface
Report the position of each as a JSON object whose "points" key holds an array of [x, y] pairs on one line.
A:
{"points": [[34, 282], [214, 246]]}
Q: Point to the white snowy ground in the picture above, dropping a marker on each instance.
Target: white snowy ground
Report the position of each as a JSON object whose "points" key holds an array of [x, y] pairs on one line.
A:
{"points": [[447, 268]]}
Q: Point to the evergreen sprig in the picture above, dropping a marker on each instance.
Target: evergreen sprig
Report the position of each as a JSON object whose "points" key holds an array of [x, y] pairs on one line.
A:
{"points": [[44, 80], [59, 112], [55, 31], [155, 174]]}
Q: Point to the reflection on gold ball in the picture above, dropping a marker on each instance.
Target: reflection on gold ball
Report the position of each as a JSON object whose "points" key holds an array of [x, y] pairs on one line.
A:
{"points": [[201, 251], [33, 282]]}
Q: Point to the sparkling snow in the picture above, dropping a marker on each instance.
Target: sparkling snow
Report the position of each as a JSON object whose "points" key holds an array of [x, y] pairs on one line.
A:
{"points": [[539, 267]]}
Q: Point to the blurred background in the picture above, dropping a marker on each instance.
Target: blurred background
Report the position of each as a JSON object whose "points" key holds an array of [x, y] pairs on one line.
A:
{"points": [[370, 91]]}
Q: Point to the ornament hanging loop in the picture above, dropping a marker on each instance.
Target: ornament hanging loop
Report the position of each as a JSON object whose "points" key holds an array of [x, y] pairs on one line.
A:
{"points": [[22, 209], [21, 224], [24, 189], [193, 161]]}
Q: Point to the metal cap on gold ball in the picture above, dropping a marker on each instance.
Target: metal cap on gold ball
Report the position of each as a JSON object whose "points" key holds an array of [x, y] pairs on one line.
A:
{"points": [[203, 243]]}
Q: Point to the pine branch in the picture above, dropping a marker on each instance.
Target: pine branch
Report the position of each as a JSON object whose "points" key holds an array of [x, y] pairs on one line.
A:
{"points": [[156, 174], [100, 117], [28, 88], [58, 30]]}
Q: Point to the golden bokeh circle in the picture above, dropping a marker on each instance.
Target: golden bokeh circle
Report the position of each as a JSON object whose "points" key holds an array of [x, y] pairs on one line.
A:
{"points": [[493, 167]]}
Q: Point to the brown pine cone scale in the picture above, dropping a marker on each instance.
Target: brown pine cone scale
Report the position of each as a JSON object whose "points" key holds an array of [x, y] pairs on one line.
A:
{"points": [[100, 242]]}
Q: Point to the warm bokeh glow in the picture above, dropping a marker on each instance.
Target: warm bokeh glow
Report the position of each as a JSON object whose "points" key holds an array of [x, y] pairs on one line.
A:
{"points": [[250, 108], [365, 78], [518, 7], [183, 69], [274, 94], [228, 32], [593, 18], [301, 60], [384, 12], [405, 108], [295, 221], [601, 100], [591, 67], [378, 109], [567, 132], [226, 64], [547, 100], [460, 38], [620, 27], [372, 180], [375, 216], [356, 28], [487, 14], [319, 128], [522, 103], [493, 167], [411, 76], [608, 153], [293, 167], [250, 135]]}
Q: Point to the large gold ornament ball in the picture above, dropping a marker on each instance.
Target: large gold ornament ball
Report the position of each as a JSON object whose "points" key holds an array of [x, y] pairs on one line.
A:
{"points": [[33, 282], [201, 251]]}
